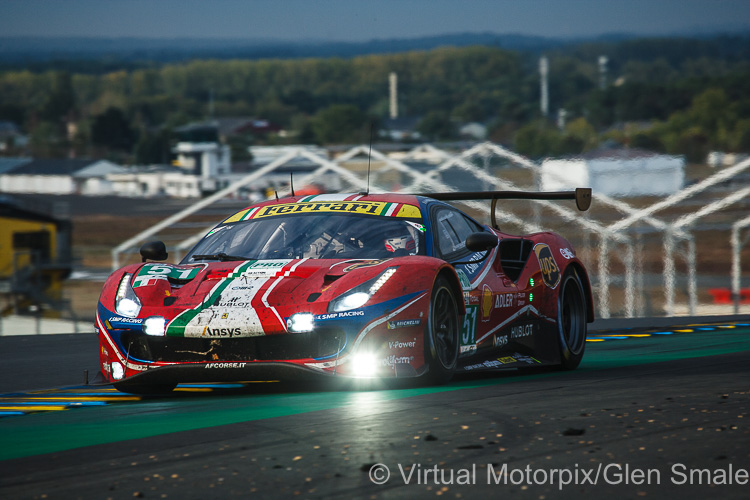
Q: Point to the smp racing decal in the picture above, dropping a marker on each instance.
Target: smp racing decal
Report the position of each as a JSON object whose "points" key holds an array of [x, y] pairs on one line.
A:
{"points": [[338, 315], [151, 272], [550, 271], [118, 322]]}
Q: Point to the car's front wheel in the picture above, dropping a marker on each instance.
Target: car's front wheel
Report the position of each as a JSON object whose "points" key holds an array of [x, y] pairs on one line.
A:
{"points": [[571, 320], [442, 344]]}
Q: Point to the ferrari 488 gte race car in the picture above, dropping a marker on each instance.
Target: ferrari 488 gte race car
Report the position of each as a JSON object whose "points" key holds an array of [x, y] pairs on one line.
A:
{"points": [[347, 285]]}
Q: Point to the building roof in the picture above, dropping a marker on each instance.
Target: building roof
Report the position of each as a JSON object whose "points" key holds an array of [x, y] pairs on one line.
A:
{"points": [[619, 154], [8, 164], [52, 167], [100, 169], [26, 209]]}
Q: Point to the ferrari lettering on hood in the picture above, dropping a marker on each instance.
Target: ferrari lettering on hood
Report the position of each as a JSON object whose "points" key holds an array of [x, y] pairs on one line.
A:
{"points": [[357, 207]]}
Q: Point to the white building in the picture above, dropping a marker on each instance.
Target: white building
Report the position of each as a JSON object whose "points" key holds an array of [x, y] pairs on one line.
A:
{"points": [[616, 172], [100, 178], [156, 181], [205, 159], [49, 176], [263, 155]]}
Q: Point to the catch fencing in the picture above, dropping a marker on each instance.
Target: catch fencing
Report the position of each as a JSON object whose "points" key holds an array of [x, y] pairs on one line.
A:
{"points": [[673, 256]]}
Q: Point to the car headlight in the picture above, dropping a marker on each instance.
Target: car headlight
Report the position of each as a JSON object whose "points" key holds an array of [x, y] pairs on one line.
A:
{"points": [[364, 365], [360, 294], [117, 370], [155, 325], [300, 323], [126, 301]]}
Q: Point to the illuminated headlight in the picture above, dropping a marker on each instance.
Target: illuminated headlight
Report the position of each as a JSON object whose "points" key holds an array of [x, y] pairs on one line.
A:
{"points": [[359, 295], [117, 371], [126, 301], [300, 323], [154, 325], [352, 301], [364, 365]]}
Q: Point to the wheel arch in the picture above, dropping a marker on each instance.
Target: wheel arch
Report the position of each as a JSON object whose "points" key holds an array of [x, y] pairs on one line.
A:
{"points": [[450, 274], [581, 271]]}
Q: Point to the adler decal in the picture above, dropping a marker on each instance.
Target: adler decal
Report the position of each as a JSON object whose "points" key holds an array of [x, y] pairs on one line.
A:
{"points": [[547, 264]]}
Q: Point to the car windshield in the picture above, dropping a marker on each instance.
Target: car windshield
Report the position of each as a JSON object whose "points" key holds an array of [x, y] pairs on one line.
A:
{"points": [[312, 236]]}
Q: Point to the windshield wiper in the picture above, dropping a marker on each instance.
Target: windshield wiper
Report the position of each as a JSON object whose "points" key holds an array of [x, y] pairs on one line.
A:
{"points": [[217, 256]]}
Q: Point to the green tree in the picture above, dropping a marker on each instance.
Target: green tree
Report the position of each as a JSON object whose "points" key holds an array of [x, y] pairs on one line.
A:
{"points": [[711, 113], [437, 126], [112, 130], [741, 136], [340, 123], [153, 147], [60, 101], [537, 139], [582, 134], [240, 147], [48, 141], [647, 139]]}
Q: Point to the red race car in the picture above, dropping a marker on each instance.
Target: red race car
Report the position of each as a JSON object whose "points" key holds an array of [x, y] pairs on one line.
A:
{"points": [[347, 285]]}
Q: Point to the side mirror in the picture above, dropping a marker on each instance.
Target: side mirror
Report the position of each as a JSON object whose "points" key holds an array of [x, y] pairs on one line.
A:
{"points": [[481, 242], [153, 250]]}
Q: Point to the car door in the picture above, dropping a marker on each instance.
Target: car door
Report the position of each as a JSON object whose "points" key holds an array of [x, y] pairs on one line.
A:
{"points": [[490, 298]]}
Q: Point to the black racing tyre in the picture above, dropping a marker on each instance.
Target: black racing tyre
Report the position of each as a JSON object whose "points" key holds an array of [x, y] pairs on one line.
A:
{"points": [[571, 320], [145, 389], [442, 336]]}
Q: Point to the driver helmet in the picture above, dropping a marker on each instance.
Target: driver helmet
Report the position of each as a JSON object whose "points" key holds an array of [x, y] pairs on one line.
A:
{"points": [[400, 240]]}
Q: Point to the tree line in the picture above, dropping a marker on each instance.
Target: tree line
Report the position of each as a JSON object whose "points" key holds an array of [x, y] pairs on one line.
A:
{"points": [[686, 98]]}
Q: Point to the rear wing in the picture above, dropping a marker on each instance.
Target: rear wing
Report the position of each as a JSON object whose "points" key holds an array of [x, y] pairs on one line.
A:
{"points": [[582, 196]]}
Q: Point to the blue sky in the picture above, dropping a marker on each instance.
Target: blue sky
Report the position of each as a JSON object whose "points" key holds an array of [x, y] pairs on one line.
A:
{"points": [[361, 20]]}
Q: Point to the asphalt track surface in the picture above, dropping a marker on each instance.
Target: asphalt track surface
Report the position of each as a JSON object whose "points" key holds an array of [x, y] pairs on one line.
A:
{"points": [[655, 410]]}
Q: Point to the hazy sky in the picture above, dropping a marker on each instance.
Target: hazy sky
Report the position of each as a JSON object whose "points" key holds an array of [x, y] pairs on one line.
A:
{"points": [[359, 20]]}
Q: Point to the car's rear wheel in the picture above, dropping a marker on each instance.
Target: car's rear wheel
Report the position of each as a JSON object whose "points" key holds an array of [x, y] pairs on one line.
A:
{"points": [[145, 389], [442, 344], [571, 320]]}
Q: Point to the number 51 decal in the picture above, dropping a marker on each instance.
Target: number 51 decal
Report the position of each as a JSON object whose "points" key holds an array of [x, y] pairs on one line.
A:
{"points": [[469, 327]]}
